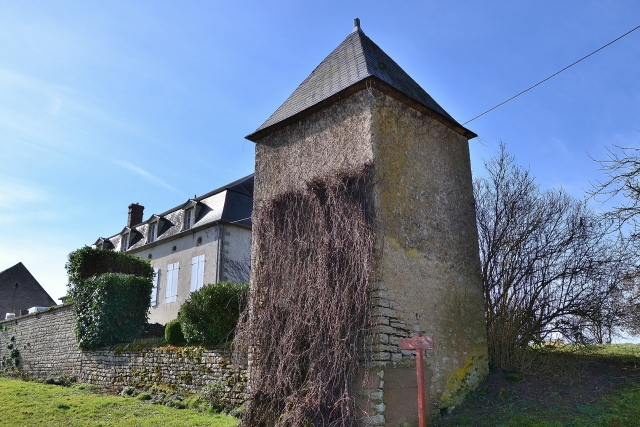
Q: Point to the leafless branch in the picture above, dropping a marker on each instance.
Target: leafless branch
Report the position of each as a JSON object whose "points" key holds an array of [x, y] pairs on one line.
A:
{"points": [[550, 265], [309, 316]]}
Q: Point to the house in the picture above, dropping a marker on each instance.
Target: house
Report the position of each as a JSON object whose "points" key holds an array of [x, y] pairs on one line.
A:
{"points": [[205, 240], [19, 291]]}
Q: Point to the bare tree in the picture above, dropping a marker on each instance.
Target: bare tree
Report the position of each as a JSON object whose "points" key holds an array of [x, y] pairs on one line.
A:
{"points": [[622, 171], [549, 264]]}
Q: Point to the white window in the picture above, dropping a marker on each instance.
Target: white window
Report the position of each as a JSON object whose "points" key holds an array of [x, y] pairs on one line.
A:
{"points": [[154, 291], [125, 242], [197, 272], [153, 232], [171, 294], [188, 221]]}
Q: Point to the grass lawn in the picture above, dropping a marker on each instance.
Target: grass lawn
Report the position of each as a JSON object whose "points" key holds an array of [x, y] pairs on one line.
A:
{"points": [[599, 387], [34, 404]]}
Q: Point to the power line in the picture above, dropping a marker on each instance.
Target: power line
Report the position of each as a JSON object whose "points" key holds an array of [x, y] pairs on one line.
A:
{"points": [[552, 75]]}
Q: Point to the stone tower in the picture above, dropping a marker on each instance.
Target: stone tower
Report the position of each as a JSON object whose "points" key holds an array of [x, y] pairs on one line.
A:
{"points": [[359, 108]]}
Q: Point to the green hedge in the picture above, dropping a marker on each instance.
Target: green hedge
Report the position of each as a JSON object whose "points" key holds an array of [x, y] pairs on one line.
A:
{"points": [[211, 313], [110, 308], [87, 262], [173, 332]]}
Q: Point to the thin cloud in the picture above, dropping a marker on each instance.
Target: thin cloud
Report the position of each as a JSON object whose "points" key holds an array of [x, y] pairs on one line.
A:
{"points": [[16, 195], [147, 175], [23, 203]]}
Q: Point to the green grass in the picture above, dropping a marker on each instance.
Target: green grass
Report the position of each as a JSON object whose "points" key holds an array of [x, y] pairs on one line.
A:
{"points": [[618, 409], [591, 387], [624, 351], [34, 404]]}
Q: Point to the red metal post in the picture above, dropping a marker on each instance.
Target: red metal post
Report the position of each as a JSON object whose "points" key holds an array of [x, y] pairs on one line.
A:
{"points": [[418, 343], [422, 421]]}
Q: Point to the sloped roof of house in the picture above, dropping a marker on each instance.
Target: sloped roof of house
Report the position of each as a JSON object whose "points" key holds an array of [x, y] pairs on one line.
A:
{"points": [[355, 60], [231, 203], [19, 290]]}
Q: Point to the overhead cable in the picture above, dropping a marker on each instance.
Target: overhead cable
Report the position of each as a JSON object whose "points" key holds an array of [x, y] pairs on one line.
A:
{"points": [[553, 75]]}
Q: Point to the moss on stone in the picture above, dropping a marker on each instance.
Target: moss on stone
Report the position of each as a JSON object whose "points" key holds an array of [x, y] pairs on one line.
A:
{"points": [[465, 378]]}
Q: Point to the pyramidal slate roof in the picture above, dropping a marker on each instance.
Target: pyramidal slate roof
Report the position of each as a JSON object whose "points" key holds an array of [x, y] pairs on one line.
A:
{"points": [[356, 59]]}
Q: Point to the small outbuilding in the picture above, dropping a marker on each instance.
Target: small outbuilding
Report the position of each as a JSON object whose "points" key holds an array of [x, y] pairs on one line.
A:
{"points": [[361, 157], [19, 291]]}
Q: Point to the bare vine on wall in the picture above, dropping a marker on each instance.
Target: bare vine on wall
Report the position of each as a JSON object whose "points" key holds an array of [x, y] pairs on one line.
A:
{"points": [[308, 325], [237, 271]]}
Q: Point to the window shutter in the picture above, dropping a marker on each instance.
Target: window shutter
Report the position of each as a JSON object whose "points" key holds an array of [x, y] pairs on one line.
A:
{"points": [[197, 272], [167, 297], [194, 274], [172, 282], [200, 271], [176, 268], [154, 291]]}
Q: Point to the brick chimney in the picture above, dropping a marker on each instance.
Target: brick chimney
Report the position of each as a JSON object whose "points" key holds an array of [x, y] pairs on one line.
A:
{"points": [[135, 214]]}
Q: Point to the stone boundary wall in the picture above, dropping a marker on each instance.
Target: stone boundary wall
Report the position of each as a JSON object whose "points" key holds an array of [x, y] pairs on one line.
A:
{"points": [[48, 348]]}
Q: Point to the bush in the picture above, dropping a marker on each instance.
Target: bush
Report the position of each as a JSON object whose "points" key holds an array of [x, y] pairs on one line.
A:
{"points": [[129, 391], [88, 262], [173, 332], [211, 313], [213, 394], [63, 380], [110, 308], [144, 396]]}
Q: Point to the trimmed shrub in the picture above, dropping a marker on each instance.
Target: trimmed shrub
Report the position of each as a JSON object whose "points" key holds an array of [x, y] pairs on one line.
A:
{"points": [[110, 308], [173, 332], [87, 262], [211, 313]]}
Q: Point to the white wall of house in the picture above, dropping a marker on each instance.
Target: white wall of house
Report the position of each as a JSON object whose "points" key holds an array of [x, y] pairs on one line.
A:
{"points": [[197, 255], [236, 254]]}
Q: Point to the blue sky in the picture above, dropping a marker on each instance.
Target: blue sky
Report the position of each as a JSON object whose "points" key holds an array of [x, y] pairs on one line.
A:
{"points": [[107, 103]]}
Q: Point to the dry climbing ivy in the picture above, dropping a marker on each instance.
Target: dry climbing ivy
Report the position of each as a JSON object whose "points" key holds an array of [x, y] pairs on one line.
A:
{"points": [[308, 326]]}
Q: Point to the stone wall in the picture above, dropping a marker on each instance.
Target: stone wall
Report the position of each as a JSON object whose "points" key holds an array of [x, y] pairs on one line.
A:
{"points": [[427, 262], [48, 348]]}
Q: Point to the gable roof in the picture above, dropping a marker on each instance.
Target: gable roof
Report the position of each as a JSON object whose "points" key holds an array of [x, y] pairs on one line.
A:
{"points": [[355, 60], [19, 290]]}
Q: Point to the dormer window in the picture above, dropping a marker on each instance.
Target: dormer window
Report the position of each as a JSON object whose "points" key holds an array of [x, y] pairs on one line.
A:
{"points": [[153, 232], [191, 209], [189, 219], [156, 223], [125, 242], [102, 243]]}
